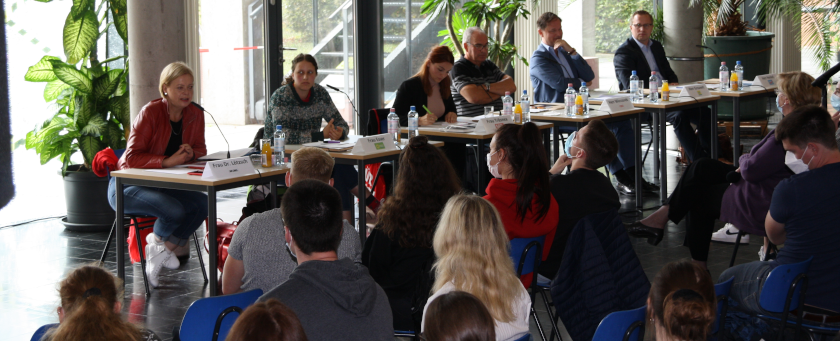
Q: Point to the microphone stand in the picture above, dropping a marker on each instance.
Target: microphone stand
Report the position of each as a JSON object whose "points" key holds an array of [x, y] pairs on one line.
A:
{"points": [[358, 118], [217, 126], [713, 51], [822, 80]]}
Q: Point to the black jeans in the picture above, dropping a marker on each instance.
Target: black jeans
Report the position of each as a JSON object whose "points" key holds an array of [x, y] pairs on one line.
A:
{"points": [[697, 198]]}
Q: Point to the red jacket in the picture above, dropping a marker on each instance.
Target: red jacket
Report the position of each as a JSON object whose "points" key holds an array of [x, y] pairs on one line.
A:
{"points": [[150, 134], [502, 193]]}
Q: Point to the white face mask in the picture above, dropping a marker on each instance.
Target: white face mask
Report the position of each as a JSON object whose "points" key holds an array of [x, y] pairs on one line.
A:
{"points": [[795, 165], [573, 145], [494, 169], [289, 247]]}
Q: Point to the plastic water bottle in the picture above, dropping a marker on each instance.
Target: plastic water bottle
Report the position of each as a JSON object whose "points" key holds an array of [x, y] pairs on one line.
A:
{"points": [[413, 126], [653, 84], [578, 105], [666, 91], [394, 126], [279, 145], [634, 88], [525, 103], [507, 104], [723, 76], [584, 94], [739, 70], [569, 99]]}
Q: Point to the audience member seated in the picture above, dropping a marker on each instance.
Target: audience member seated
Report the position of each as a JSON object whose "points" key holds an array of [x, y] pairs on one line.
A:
{"points": [[520, 188], [553, 66], [429, 88], [584, 190], [682, 302], [472, 252], [476, 81], [91, 301], [458, 316], [167, 132], [300, 105], [399, 249], [335, 299], [802, 216], [704, 193], [267, 321], [256, 256], [642, 54]]}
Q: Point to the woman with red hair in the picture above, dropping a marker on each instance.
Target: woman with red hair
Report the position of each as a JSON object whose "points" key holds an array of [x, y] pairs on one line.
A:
{"points": [[429, 88]]}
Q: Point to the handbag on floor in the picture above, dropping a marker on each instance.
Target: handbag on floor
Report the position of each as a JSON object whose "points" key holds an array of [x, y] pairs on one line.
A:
{"points": [[146, 228], [224, 234]]}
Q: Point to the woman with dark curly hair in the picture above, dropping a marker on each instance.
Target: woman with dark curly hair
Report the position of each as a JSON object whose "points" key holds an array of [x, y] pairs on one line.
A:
{"points": [[401, 244]]}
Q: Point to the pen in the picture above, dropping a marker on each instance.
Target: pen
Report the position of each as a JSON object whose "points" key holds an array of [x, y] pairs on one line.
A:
{"points": [[331, 141]]}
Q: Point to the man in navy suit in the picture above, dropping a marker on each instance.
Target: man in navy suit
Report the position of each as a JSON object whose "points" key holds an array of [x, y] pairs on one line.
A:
{"points": [[642, 54], [553, 66]]}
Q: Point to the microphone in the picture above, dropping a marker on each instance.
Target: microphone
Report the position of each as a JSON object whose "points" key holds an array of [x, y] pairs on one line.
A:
{"points": [[713, 51], [348, 98], [217, 126], [822, 80]]}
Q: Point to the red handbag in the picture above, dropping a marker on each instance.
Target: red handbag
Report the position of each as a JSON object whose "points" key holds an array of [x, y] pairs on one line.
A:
{"points": [[224, 234], [145, 225]]}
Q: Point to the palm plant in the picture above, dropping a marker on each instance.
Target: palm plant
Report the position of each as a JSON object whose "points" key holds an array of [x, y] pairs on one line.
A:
{"points": [[722, 17], [818, 18]]}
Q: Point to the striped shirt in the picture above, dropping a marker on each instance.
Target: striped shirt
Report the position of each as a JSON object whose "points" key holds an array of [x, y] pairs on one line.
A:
{"points": [[464, 73]]}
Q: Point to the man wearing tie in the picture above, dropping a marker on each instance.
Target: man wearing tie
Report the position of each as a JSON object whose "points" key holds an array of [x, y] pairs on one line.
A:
{"points": [[553, 66]]}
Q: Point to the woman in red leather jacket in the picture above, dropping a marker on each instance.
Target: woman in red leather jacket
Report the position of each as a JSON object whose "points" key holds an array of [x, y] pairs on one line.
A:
{"points": [[167, 132]]}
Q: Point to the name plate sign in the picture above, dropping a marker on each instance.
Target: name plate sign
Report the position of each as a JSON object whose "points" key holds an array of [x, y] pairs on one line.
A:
{"points": [[375, 143], [617, 104], [768, 81], [695, 90], [488, 125], [228, 168]]}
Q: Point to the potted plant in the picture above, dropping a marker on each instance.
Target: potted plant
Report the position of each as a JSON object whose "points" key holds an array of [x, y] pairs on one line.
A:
{"points": [[91, 106]]}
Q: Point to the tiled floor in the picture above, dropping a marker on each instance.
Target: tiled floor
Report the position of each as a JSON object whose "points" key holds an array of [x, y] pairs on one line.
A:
{"points": [[34, 257]]}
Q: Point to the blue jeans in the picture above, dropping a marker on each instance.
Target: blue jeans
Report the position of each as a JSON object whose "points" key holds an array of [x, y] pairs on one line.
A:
{"points": [[698, 145], [179, 213], [746, 288], [345, 178]]}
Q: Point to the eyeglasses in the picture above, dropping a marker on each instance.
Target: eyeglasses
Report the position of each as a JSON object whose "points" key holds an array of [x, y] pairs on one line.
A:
{"points": [[645, 26], [778, 92], [479, 46]]}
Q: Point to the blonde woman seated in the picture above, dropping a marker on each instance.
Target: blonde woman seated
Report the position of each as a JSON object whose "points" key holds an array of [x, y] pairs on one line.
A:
{"points": [[472, 250]]}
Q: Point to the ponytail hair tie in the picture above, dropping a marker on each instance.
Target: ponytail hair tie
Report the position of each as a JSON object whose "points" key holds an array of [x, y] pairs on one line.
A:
{"points": [[687, 294], [92, 291]]}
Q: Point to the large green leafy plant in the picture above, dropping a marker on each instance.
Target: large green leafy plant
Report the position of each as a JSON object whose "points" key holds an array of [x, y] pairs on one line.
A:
{"points": [[90, 99], [496, 17]]}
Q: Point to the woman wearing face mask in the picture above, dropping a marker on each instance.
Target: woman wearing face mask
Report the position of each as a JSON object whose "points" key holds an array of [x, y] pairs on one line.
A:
{"points": [[835, 103], [520, 188], [704, 193]]}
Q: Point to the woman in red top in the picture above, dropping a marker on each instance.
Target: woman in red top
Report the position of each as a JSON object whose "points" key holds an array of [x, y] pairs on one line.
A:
{"points": [[167, 132], [520, 188]]}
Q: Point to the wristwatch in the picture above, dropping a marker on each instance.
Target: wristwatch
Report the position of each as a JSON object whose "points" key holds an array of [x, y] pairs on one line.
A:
{"points": [[487, 86]]}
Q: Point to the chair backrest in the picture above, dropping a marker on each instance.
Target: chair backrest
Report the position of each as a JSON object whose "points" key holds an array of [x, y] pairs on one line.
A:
{"points": [[524, 252], [624, 325], [526, 337], [777, 287], [722, 294], [200, 320], [42, 331], [377, 122]]}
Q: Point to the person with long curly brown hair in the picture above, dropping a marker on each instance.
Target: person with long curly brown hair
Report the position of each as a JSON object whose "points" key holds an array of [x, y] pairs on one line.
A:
{"points": [[682, 302], [401, 244], [267, 321], [90, 309]]}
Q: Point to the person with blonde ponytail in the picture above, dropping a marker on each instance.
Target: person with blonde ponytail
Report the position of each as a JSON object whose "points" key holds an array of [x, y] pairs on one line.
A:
{"points": [[682, 302], [90, 309], [472, 256]]}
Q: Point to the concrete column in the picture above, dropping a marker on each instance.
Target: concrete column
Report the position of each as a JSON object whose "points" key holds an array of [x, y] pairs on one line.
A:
{"points": [[156, 37], [578, 22], [786, 54], [526, 39], [683, 30]]}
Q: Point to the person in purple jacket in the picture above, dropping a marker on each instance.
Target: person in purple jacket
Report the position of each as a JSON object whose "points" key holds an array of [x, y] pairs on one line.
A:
{"points": [[707, 191]]}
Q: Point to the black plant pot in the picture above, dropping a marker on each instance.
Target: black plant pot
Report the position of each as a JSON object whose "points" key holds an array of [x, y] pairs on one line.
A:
{"points": [[87, 201]]}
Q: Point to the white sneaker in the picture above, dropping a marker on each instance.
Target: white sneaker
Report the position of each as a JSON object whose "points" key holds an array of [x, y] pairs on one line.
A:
{"points": [[761, 253], [171, 263], [729, 234], [156, 256]]}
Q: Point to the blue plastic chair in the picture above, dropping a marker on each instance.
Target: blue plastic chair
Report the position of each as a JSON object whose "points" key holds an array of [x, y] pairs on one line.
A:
{"points": [[627, 325], [722, 294], [526, 254], [210, 318], [783, 291], [42, 330]]}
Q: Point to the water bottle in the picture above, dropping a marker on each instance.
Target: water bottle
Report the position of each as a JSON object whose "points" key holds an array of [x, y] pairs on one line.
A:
{"points": [[653, 84], [394, 126], [279, 145], [634, 88], [666, 91], [579, 105], [739, 70], [569, 99], [584, 94], [413, 126], [525, 103], [507, 104], [723, 76]]}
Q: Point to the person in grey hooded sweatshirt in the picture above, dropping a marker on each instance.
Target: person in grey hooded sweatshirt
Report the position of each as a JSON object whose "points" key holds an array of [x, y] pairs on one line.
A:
{"points": [[335, 299]]}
